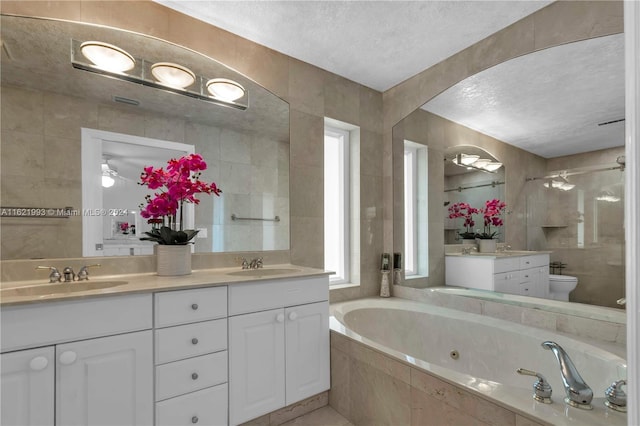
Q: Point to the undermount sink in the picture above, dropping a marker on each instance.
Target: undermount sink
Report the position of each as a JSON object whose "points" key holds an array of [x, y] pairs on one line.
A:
{"points": [[263, 272], [59, 288]]}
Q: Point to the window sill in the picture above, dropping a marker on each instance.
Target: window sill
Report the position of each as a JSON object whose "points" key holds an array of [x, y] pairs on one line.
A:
{"points": [[415, 277], [343, 285]]}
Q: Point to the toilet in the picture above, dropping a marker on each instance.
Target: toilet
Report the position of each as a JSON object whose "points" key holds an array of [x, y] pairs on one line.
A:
{"points": [[560, 286]]}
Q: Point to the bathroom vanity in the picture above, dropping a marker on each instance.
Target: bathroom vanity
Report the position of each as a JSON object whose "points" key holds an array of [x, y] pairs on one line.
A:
{"points": [[210, 348], [523, 273]]}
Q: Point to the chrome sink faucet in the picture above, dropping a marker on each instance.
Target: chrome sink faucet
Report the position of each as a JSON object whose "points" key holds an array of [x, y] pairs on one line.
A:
{"points": [[579, 394], [83, 274], [69, 275], [255, 263]]}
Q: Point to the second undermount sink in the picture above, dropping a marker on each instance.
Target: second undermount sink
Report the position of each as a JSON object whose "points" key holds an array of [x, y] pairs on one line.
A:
{"points": [[59, 288], [263, 272]]}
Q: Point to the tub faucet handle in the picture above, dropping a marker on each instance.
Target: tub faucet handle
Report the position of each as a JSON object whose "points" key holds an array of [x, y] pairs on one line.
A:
{"points": [[541, 388], [616, 397]]}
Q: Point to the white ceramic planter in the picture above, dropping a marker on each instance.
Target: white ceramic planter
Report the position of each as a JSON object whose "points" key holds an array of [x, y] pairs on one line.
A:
{"points": [[172, 261], [487, 246]]}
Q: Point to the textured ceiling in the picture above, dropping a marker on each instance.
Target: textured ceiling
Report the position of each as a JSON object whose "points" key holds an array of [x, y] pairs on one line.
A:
{"points": [[549, 102], [375, 43]]}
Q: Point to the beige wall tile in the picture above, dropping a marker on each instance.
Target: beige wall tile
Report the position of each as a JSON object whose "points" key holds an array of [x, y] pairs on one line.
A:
{"points": [[377, 398], [340, 393], [64, 9], [307, 190], [298, 409], [557, 24], [306, 88], [307, 139], [22, 110], [342, 99], [429, 411], [65, 115]]}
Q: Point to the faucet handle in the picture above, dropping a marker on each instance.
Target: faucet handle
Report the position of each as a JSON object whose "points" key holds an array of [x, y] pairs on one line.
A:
{"points": [[245, 263], [541, 388], [616, 397], [54, 276], [83, 273]]}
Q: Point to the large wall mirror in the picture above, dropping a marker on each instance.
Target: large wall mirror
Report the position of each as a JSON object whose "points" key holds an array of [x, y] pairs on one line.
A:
{"points": [[563, 107], [47, 105]]}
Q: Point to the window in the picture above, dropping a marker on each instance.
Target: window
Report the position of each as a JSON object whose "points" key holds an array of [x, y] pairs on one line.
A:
{"points": [[336, 203], [416, 223]]}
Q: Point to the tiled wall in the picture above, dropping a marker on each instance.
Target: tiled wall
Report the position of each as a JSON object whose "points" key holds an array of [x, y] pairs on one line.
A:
{"points": [[368, 387], [553, 225]]}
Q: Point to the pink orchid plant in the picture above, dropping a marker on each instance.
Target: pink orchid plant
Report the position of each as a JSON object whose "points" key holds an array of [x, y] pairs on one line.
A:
{"points": [[177, 185], [492, 211], [465, 211]]}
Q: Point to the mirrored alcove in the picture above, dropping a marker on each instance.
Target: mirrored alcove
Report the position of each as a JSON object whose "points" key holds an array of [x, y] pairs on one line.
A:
{"points": [[47, 104], [551, 110]]}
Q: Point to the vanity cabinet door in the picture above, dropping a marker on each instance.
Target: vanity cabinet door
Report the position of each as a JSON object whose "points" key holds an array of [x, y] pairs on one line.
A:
{"points": [[256, 364], [105, 381], [307, 350], [28, 387]]}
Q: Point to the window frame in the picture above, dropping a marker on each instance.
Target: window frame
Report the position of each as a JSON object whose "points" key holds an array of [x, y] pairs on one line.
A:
{"points": [[342, 275]]}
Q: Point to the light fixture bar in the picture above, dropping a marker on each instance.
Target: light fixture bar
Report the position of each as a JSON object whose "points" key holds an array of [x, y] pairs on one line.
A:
{"points": [[141, 74]]}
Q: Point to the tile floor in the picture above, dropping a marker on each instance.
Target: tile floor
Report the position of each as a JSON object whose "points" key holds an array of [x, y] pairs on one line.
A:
{"points": [[325, 416]]}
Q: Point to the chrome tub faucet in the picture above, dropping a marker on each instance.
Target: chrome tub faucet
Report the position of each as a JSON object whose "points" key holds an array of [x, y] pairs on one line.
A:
{"points": [[579, 394]]}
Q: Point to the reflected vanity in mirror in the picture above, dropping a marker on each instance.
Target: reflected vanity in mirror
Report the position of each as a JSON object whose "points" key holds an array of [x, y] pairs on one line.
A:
{"points": [[555, 119], [471, 176], [47, 104]]}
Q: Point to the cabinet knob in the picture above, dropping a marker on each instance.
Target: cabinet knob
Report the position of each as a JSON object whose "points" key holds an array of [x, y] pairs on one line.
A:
{"points": [[194, 341], [280, 318], [293, 316], [194, 306], [194, 419], [194, 376], [68, 357], [39, 363]]}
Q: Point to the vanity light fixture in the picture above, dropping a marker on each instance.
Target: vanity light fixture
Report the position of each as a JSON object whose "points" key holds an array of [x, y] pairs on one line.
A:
{"points": [[167, 76], [226, 89], [108, 174], [107, 56], [474, 162], [465, 159], [173, 75], [557, 184], [493, 166]]}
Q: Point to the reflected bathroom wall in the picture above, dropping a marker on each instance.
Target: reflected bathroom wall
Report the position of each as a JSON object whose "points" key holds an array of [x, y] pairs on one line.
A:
{"points": [[583, 226]]}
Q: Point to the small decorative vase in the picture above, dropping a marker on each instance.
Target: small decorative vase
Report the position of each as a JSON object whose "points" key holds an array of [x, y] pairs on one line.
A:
{"points": [[487, 246], [385, 290], [173, 261]]}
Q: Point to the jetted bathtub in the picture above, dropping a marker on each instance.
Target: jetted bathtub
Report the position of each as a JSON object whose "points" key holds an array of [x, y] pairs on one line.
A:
{"points": [[482, 354]]}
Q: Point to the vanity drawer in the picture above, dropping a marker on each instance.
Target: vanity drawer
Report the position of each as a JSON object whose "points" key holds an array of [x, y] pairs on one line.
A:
{"points": [[506, 264], [527, 262], [185, 306], [180, 377], [205, 407], [185, 341], [265, 295], [41, 324]]}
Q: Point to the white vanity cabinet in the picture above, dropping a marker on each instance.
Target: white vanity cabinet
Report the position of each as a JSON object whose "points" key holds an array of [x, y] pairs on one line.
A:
{"points": [[278, 344], [191, 357], [522, 275], [93, 362], [28, 387]]}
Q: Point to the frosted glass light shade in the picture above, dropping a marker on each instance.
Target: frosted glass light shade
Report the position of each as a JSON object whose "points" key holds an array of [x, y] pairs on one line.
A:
{"points": [[107, 181], [173, 75], [482, 163], [493, 166], [107, 56], [225, 89]]}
